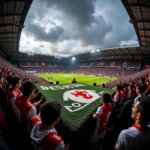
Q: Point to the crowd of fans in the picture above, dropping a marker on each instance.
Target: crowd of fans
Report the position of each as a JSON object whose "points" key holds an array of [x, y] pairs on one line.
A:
{"points": [[11, 70], [128, 78], [110, 63], [27, 113], [40, 67], [109, 72], [123, 118]]}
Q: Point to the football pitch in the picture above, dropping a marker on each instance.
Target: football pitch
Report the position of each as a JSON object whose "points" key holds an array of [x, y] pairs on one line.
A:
{"points": [[79, 101], [66, 78]]}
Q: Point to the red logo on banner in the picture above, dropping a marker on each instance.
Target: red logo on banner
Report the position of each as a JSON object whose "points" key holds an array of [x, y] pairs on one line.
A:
{"points": [[84, 94]]}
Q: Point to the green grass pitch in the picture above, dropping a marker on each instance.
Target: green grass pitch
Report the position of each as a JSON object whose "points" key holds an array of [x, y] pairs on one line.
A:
{"points": [[66, 78], [77, 108]]}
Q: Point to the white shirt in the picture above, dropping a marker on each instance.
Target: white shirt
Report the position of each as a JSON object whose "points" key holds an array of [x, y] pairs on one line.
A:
{"points": [[133, 139]]}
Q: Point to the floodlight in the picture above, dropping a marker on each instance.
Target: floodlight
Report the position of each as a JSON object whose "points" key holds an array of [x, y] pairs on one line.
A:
{"points": [[73, 58], [92, 51]]}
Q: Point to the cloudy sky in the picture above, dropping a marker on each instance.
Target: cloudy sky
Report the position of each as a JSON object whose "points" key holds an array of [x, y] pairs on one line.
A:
{"points": [[67, 27]]}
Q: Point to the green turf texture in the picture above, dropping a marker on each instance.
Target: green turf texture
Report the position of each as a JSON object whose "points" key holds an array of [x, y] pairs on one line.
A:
{"points": [[66, 78], [74, 126], [74, 119]]}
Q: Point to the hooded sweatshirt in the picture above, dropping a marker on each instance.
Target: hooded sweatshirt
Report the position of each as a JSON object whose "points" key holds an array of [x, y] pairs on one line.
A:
{"points": [[47, 139]]}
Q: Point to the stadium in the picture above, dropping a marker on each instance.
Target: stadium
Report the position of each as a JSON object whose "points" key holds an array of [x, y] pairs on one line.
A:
{"points": [[77, 81]]}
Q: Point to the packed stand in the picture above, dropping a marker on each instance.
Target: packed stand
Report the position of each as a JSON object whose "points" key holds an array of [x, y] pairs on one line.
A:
{"points": [[26, 116], [40, 66], [128, 78], [29, 116], [123, 117], [17, 72], [134, 64], [109, 72]]}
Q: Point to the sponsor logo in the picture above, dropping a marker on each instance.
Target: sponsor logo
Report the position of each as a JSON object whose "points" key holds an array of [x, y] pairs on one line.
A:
{"points": [[61, 87]]}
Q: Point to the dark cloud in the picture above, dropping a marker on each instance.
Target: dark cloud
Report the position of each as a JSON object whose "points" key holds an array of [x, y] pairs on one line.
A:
{"points": [[39, 33], [95, 33], [80, 11], [96, 23]]}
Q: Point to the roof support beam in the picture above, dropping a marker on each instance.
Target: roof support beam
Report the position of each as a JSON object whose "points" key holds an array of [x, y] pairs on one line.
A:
{"points": [[107, 52], [139, 5], [7, 38], [122, 51], [114, 51], [145, 36], [4, 25], [129, 52], [7, 42], [139, 51], [1, 49], [4, 33], [9, 15], [142, 21], [145, 41], [147, 30]]}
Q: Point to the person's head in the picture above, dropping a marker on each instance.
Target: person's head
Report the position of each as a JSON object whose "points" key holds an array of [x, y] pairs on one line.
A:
{"points": [[28, 88], [118, 88], [148, 82], [2, 71], [8, 79], [133, 82], [94, 84], [50, 113], [106, 98], [57, 82], [103, 85], [124, 85], [142, 80], [16, 82], [9, 73], [130, 87], [141, 110], [139, 89], [1, 79]]}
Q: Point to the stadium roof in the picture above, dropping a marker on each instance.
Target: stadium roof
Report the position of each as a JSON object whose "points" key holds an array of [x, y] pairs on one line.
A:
{"points": [[25, 56], [126, 52], [139, 12], [12, 17], [13, 14]]}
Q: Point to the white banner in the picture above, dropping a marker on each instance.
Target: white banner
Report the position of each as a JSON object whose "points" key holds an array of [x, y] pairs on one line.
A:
{"points": [[32, 72]]}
